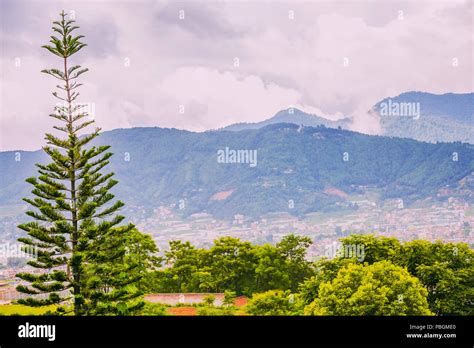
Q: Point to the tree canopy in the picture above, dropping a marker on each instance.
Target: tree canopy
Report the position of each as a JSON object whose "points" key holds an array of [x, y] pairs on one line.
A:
{"points": [[381, 288]]}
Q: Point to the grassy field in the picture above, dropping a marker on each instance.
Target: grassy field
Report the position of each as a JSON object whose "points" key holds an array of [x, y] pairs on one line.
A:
{"points": [[153, 309], [16, 309]]}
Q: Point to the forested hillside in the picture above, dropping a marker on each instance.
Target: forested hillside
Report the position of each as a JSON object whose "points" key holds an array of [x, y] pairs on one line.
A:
{"points": [[165, 166]]}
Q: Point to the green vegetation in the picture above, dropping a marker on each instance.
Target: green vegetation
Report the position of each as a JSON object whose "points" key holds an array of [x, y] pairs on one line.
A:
{"points": [[393, 278], [18, 309], [176, 164], [209, 311], [445, 269], [377, 289], [76, 235], [396, 168], [229, 298], [209, 300], [272, 302], [233, 265], [153, 309]]}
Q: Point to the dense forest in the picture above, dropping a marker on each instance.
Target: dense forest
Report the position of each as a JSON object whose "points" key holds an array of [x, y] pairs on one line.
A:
{"points": [[164, 166]]}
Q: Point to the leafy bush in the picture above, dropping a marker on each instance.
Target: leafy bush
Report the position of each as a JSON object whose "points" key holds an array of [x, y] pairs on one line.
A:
{"points": [[273, 302], [153, 309], [207, 311]]}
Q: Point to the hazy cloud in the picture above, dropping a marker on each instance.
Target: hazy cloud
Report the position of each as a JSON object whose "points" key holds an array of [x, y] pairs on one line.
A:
{"points": [[232, 61]]}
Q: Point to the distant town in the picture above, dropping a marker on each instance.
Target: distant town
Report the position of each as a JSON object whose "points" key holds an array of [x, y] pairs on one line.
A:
{"points": [[449, 218], [450, 222]]}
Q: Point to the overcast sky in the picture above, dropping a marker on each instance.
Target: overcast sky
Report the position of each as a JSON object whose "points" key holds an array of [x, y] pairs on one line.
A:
{"points": [[231, 61]]}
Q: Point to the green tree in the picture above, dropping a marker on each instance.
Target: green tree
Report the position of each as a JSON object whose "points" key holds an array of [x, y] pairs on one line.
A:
{"points": [[446, 270], [293, 248], [271, 269], [184, 261], [231, 263], [73, 211], [234, 265], [115, 272], [283, 266], [272, 302], [378, 289], [375, 248], [326, 271]]}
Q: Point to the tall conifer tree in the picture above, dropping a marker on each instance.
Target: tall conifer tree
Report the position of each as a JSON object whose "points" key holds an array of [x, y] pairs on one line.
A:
{"points": [[75, 227]]}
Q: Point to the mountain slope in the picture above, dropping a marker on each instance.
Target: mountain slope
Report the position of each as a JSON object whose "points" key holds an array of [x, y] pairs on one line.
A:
{"points": [[446, 117], [163, 166]]}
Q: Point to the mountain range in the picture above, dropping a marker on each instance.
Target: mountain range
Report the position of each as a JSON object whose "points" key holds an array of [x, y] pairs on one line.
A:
{"points": [[446, 117], [316, 168]]}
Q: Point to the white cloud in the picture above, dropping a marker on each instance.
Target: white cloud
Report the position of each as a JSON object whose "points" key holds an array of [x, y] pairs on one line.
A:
{"points": [[213, 99], [282, 61]]}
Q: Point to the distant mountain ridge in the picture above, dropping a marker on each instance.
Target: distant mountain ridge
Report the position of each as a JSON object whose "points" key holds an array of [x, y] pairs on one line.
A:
{"points": [[458, 107], [295, 116], [447, 117], [306, 165]]}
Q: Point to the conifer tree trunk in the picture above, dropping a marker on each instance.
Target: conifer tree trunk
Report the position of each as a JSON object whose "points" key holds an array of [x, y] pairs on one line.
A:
{"points": [[74, 235]]}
